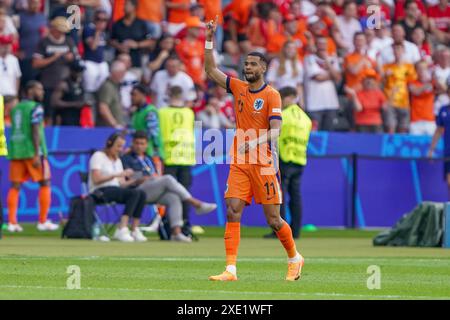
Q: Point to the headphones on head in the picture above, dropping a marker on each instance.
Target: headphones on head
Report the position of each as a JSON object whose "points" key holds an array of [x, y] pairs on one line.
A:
{"points": [[112, 139]]}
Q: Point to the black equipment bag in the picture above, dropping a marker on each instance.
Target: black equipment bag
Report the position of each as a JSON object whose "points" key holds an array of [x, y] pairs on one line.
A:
{"points": [[81, 218]]}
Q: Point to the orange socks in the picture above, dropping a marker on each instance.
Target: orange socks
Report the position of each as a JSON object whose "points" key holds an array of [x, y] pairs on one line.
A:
{"points": [[232, 238], [285, 236], [13, 203], [44, 202]]}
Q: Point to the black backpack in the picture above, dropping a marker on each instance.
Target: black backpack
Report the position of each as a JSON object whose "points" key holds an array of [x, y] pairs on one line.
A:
{"points": [[81, 218]]}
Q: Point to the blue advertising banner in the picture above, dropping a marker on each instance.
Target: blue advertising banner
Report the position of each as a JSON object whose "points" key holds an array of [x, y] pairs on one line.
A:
{"points": [[391, 178]]}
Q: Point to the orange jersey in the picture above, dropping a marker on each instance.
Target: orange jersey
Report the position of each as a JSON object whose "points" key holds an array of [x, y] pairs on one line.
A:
{"points": [[213, 8], [355, 80], [276, 43], [254, 110], [150, 10], [240, 10], [179, 15], [422, 106]]}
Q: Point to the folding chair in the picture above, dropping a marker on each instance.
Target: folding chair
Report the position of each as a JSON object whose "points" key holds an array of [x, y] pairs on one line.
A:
{"points": [[100, 200]]}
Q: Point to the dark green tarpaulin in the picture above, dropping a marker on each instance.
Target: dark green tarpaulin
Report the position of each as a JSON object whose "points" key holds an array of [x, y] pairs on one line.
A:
{"points": [[422, 227]]}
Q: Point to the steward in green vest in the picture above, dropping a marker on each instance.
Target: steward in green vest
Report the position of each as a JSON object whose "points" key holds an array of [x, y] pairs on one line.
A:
{"points": [[177, 124], [293, 142], [146, 119], [28, 156]]}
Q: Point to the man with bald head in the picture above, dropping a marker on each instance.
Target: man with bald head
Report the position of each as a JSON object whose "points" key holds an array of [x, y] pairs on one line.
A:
{"points": [[109, 108]]}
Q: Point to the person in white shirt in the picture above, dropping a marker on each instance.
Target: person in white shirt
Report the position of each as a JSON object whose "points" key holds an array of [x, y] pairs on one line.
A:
{"points": [[108, 182], [348, 25], [411, 52], [377, 40], [321, 73], [441, 75], [287, 70], [10, 73], [169, 77]]}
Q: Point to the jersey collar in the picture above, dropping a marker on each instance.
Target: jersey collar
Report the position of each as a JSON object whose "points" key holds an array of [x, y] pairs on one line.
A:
{"points": [[258, 90]]}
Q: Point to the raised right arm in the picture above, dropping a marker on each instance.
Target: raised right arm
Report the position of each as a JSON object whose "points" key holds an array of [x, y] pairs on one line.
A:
{"points": [[211, 69]]}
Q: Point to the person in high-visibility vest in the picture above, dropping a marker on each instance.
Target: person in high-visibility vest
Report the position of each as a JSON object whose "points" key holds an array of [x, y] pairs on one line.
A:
{"points": [[293, 143], [178, 139], [28, 156], [3, 152], [146, 119]]}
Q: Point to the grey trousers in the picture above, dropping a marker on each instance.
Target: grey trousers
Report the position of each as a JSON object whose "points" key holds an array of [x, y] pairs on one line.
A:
{"points": [[167, 191]]}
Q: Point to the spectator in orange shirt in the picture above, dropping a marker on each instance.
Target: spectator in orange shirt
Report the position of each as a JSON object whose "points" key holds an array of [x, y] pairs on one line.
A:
{"points": [[177, 12], [422, 102], [369, 103], [191, 51], [293, 30], [236, 19], [262, 27], [152, 12], [356, 63]]}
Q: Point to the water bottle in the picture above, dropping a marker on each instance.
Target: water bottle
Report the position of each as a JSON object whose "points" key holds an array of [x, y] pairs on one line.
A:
{"points": [[95, 231]]}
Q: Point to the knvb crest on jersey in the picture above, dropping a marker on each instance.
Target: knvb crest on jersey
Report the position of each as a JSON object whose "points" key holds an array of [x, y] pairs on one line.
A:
{"points": [[258, 104]]}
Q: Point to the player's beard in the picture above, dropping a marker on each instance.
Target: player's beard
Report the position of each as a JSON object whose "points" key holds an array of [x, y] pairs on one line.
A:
{"points": [[253, 78]]}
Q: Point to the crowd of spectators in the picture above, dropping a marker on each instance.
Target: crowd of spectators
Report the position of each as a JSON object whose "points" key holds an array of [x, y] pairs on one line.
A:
{"points": [[366, 65]]}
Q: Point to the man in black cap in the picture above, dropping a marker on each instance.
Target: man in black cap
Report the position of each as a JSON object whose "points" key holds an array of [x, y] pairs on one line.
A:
{"points": [[69, 98]]}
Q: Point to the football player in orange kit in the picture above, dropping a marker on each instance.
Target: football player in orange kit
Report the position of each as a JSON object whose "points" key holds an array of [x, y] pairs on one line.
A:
{"points": [[253, 170]]}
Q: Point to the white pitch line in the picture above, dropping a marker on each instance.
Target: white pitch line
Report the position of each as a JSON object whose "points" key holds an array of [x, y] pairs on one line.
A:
{"points": [[291, 294], [392, 261]]}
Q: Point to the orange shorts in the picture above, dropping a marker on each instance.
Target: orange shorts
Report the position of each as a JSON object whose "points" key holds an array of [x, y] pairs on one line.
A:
{"points": [[246, 181], [22, 170]]}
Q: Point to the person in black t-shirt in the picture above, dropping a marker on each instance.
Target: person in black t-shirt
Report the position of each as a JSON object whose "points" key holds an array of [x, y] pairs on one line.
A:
{"points": [[53, 57], [68, 97], [131, 35]]}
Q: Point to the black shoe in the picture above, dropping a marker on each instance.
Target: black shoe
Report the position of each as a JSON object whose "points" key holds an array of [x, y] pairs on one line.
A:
{"points": [[271, 235]]}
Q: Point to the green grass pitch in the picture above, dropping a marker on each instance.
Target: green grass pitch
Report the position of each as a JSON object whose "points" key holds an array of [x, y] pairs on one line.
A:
{"points": [[34, 266]]}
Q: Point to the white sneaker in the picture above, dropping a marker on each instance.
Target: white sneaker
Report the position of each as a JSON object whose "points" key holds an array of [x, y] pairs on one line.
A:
{"points": [[154, 226], [180, 237], [14, 228], [206, 207], [47, 226], [123, 235], [138, 236]]}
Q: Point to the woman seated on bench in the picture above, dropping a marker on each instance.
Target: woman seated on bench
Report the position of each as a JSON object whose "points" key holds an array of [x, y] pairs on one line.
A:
{"points": [[109, 182]]}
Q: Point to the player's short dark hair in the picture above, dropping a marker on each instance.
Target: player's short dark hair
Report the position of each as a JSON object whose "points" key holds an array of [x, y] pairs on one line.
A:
{"points": [[288, 92], [141, 88], [175, 91], [261, 56], [140, 134]]}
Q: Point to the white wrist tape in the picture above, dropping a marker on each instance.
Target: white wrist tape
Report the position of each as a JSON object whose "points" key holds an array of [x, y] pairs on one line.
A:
{"points": [[209, 45]]}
